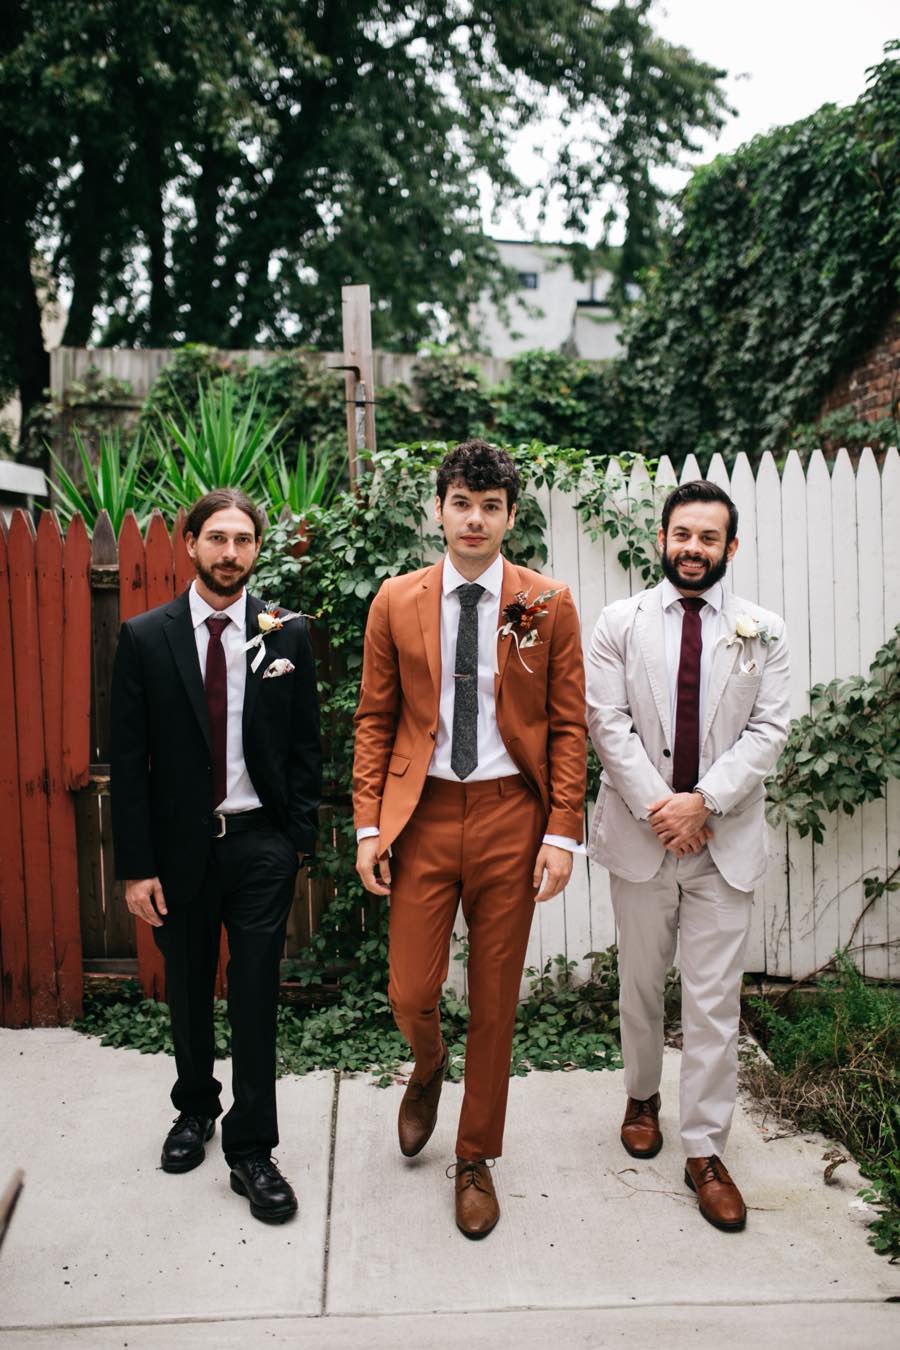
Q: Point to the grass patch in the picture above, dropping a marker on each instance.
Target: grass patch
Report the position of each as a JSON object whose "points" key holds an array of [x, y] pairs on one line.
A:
{"points": [[836, 1068]]}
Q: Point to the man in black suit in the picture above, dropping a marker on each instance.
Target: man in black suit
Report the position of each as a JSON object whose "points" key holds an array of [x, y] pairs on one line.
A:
{"points": [[216, 774]]}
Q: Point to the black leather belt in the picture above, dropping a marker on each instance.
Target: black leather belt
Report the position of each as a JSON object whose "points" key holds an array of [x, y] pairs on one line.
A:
{"points": [[240, 820]]}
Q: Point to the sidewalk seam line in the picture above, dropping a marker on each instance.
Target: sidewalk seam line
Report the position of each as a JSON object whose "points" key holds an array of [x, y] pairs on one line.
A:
{"points": [[323, 1304]]}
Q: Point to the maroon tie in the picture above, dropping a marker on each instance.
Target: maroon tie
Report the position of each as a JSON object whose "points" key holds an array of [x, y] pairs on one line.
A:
{"points": [[686, 761], [216, 685]]}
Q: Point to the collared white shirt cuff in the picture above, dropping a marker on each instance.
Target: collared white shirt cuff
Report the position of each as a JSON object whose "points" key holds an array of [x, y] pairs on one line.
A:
{"points": [[560, 841], [367, 832]]}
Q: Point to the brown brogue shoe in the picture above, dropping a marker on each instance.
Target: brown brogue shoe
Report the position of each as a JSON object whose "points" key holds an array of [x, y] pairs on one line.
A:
{"points": [[418, 1109], [477, 1210], [640, 1132], [721, 1203]]}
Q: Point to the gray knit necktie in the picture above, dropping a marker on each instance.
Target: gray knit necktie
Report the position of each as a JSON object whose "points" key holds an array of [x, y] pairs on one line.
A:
{"points": [[464, 744]]}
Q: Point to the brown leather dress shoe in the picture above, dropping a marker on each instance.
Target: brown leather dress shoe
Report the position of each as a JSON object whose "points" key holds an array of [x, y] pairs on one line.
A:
{"points": [[721, 1203], [418, 1109], [477, 1210], [640, 1132]]}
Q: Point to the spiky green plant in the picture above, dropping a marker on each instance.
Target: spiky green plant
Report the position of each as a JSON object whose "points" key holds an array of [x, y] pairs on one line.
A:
{"points": [[313, 481], [109, 485], [223, 445]]}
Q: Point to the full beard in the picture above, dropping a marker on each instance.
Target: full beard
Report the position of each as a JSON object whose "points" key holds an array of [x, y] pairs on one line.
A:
{"points": [[225, 584], [714, 572]]}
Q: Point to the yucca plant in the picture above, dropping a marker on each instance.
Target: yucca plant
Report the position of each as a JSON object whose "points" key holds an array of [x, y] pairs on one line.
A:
{"points": [[224, 445], [313, 481], [109, 485]]}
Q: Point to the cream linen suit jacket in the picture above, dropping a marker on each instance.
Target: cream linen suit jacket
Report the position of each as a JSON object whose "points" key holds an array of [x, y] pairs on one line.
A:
{"points": [[744, 729]]}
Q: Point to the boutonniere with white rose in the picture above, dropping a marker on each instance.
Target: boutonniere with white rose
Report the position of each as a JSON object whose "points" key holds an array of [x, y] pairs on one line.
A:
{"points": [[520, 623], [269, 620], [747, 628]]}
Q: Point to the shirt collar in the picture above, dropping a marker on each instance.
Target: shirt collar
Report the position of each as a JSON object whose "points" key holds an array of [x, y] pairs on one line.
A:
{"points": [[201, 610], [714, 597], [491, 578]]}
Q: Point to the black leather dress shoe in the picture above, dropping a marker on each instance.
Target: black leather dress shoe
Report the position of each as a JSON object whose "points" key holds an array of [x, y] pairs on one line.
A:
{"points": [[183, 1147], [272, 1199]]}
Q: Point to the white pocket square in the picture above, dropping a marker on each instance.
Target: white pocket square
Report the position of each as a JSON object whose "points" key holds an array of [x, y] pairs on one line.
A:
{"points": [[280, 667], [747, 668]]}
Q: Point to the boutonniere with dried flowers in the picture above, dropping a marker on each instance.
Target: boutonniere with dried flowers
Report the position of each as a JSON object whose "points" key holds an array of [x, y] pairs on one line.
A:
{"points": [[269, 620], [746, 628], [520, 618]]}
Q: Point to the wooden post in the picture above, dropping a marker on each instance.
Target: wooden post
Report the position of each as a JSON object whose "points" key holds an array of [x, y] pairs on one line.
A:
{"points": [[359, 370], [16, 996]]}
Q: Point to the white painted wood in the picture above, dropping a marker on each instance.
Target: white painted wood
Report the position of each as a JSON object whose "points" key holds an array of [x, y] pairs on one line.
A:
{"points": [[743, 569], [890, 516], [690, 469], [618, 586], [873, 815], [773, 892], [845, 543], [826, 888]]}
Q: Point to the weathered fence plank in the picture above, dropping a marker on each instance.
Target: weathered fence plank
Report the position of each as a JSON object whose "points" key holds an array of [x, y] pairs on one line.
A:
{"points": [[32, 772], [60, 807], [15, 1007], [76, 709]]}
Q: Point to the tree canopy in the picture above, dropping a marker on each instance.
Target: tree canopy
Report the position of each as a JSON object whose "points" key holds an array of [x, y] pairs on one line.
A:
{"points": [[214, 172]]}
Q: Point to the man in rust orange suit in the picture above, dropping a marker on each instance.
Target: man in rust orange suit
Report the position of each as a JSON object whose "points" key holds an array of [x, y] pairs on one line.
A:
{"points": [[468, 785]]}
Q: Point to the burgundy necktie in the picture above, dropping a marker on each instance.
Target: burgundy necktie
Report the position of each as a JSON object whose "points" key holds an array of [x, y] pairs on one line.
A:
{"points": [[216, 685], [686, 761]]}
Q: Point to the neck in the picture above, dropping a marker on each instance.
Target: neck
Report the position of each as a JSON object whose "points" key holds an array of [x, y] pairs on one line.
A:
{"points": [[212, 599], [472, 568]]}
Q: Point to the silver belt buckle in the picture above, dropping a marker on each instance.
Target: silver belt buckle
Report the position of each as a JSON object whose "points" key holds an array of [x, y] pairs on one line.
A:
{"points": [[220, 817]]}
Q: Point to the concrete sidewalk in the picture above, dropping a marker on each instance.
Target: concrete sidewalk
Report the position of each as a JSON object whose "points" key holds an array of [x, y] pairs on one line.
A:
{"points": [[593, 1248]]}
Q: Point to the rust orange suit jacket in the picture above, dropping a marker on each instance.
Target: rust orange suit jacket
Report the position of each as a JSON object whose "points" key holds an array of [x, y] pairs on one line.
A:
{"points": [[540, 715]]}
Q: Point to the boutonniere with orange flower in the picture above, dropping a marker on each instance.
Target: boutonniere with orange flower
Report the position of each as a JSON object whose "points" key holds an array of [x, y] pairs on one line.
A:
{"points": [[520, 618]]}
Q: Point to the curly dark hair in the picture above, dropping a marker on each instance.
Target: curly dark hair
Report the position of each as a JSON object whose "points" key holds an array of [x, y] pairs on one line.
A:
{"points": [[480, 466], [700, 490]]}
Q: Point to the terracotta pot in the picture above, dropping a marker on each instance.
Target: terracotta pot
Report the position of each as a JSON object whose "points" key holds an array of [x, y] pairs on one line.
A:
{"points": [[300, 547]]}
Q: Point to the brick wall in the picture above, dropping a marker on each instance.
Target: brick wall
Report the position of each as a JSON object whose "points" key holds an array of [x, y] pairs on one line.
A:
{"points": [[872, 388]]}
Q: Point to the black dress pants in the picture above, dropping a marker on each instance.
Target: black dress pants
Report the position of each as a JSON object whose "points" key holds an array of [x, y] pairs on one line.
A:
{"points": [[248, 886]]}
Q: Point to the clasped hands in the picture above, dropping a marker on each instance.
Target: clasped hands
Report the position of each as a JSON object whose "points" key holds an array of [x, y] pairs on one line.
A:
{"points": [[679, 822]]}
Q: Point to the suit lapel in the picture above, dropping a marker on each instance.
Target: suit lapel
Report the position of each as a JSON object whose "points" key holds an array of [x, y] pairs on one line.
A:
{"points": [[651, 635], [253, 678], [428, 605], [512, 584], [723, 661], [179, 631]]}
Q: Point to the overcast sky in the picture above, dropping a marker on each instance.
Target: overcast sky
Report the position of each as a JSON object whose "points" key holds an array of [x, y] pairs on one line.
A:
{"points": [[784, 58]]}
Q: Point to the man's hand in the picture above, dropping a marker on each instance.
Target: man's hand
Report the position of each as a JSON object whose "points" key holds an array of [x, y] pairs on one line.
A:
{"points": [[679, 822], [555, 866], [367, 860], [146, 901]]}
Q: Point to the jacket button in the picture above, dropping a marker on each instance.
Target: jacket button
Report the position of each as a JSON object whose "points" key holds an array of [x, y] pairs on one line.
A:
{"points": [[668, 754], [432, 734]]}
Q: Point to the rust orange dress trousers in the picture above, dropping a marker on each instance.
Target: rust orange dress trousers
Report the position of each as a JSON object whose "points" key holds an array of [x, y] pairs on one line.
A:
{"points": [[475, 843]]}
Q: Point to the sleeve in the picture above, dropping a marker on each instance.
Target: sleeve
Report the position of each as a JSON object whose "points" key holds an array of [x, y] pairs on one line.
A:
{"points": [[130, 765], [377, 713], [305, 762], [566, 735]]}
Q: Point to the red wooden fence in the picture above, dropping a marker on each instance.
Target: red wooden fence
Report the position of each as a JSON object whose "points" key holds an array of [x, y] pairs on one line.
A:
{"points": [[61, 908]]}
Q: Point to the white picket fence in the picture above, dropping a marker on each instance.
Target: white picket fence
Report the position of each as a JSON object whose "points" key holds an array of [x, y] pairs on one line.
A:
{"points": [[823, 549]]}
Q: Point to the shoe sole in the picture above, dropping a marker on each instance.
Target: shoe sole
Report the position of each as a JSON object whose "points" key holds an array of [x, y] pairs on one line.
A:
{"points": [[476, 1237], [273, 1215], [641, 1152], [189, 1164], [725, 1225]]}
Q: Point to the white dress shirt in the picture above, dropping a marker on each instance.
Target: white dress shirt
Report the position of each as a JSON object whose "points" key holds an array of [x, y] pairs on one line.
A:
{"points": [[240, 794], [494, 760], [710, 631]]}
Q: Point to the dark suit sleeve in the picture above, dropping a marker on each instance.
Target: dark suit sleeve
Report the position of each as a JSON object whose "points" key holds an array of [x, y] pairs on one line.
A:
{"points": [[130, 766], [305, 758]]}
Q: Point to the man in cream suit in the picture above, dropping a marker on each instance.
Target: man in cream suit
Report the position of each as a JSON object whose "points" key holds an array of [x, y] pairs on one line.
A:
{"points": [[687, 694]]}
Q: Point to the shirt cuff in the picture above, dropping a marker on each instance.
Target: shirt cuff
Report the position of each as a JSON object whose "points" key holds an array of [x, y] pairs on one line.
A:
{"points": [[712, 804], [367, 832], [560, 841]]}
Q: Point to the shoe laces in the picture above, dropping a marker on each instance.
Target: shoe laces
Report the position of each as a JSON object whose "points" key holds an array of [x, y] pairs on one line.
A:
{"points": [[468, 1174], [186, 1119], [262, 1166], [714, 1170]]}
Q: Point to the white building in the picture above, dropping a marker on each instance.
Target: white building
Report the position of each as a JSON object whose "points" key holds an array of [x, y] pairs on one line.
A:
{"points": [[551, 308]]}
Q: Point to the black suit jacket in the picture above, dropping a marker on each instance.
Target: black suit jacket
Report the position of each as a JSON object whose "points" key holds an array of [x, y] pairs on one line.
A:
{"points": [[161, 765]]}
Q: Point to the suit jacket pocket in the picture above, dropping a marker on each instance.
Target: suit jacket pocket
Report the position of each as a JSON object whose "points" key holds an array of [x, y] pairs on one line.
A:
{"points": [[398, 764]]}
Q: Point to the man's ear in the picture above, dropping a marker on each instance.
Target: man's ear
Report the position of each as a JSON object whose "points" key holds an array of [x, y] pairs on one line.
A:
{"points": [[511, 518], [438, 514], [732, 548], [190, 544]]}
